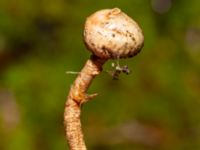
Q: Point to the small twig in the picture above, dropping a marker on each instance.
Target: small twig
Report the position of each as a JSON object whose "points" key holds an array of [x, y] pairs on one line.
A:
{"points": [[72, 72]]}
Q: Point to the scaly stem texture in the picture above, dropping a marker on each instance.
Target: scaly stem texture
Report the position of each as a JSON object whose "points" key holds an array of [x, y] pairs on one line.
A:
{"points": [[77, 96]]}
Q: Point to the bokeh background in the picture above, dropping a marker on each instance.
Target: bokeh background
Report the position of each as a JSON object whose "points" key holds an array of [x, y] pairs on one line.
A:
{"points": [[156, 107]]}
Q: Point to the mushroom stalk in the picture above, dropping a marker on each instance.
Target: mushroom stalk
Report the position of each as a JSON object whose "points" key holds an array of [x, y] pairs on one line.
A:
{"points": [[77, 96]]}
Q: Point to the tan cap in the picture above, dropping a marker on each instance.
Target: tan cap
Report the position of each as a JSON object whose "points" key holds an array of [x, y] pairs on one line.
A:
{"points": [[111, 34]]}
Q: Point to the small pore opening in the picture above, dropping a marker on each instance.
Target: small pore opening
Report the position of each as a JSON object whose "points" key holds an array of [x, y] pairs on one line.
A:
{"points": [[115, 11]]}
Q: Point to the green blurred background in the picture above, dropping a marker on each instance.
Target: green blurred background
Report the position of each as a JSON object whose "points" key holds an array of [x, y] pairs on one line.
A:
{"points": [[156, 107]]}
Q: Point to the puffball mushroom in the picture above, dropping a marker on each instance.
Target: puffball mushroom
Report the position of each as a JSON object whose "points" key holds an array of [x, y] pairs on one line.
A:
{"points": [[108, 34], [111, 34]]}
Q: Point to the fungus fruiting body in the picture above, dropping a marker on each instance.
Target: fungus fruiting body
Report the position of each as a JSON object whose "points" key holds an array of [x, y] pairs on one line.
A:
{"points": [[108, 34]]}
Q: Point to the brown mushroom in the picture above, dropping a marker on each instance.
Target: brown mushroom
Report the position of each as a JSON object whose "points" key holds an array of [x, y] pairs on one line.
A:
{"points": [[108, 34]]}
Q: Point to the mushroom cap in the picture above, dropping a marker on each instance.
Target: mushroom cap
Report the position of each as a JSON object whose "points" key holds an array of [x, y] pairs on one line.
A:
{"points": [[111, 34]]}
